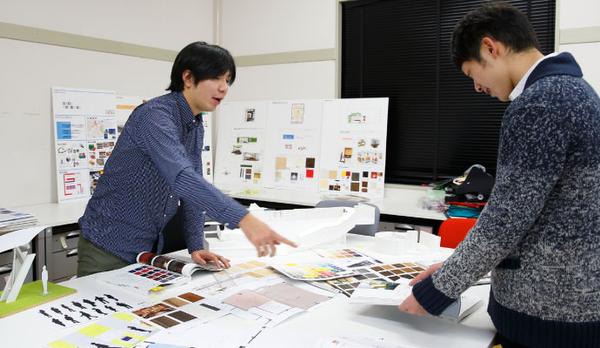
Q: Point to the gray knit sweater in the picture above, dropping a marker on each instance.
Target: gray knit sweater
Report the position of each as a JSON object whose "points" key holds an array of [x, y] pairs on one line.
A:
{"points": [[540, 231]]}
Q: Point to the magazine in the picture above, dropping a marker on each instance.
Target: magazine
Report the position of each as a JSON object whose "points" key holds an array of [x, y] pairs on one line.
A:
{"points": [[182, 265], [153, 273]]}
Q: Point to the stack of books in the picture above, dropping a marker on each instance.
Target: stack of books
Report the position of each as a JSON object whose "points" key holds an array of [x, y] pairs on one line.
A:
{"points": [[11, 220]]}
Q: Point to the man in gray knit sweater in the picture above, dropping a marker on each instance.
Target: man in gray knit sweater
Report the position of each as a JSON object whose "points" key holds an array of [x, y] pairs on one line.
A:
{"points": [[540, 231]]}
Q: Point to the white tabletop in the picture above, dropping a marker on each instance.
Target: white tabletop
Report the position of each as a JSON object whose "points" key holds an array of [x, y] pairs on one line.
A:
{"points": [[336, 318], [399, 200]]}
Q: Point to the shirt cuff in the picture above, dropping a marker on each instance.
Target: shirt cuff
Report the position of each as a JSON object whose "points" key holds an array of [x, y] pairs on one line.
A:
{"points": [[232, 215], [430, 298], [195, 242]]}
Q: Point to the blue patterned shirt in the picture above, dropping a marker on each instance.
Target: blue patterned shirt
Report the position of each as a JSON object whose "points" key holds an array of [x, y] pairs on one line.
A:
{"points": [[155, 167]]}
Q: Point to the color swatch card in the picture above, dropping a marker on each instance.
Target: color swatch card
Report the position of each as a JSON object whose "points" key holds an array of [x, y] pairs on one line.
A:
{"points": [[393, 271], [348, 258], [347, 285], [312, 270], [164, 315], [116, 330]]}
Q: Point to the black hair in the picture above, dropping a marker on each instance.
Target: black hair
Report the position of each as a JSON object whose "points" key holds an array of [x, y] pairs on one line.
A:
{"points": [[205, 61], [497, 20]]}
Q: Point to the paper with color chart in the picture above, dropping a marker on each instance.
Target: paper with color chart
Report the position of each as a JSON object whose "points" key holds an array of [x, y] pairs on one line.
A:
{"points": [[293, 144], [353, 152], [311, 271]]}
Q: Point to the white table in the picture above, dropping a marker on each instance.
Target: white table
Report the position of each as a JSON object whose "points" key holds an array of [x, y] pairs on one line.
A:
{"points": [[335, 318], [399, 200]]}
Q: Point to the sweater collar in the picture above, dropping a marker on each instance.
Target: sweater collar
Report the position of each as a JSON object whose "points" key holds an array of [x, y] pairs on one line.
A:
{"points": [[552, 64], [561, 64]]}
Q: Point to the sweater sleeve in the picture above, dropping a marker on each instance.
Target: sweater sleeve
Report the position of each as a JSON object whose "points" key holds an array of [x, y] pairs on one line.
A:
{"points": [[532, 153]]}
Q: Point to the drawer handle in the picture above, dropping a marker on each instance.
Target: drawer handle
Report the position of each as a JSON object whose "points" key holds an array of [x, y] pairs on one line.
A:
{"points": [[5, 269], [72, 235], [63, 242], [72, 253]]}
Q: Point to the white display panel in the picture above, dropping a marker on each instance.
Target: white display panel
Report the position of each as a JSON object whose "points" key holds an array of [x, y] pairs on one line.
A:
{"points": [[85, 130], [241, 143], [332, 146], [207, 151], [294, 139], [353, 152]]}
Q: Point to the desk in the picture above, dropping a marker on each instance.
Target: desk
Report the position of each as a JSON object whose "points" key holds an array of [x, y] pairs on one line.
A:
{"points": [[334, 318], [56, 251], [399, 200]]}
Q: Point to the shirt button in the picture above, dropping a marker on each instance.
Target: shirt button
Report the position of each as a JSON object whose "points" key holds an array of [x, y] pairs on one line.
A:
{"points": [[171, 196], [164, 215], [204, 212]]}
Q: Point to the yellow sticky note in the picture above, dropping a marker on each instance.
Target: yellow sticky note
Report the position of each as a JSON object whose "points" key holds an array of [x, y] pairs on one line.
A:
{"points": [[61, 344], [94, 330], [124, 316]]}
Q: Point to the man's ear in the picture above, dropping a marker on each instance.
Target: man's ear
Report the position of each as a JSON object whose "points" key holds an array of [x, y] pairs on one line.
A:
{"points": [[491, 47], [188, 78]]}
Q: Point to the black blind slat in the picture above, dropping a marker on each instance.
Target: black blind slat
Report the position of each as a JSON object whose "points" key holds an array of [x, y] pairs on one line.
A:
{"points": [[437, 125]]}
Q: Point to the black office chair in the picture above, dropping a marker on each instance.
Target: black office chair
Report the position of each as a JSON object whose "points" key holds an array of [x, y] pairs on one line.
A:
{"points": [[366, 230]]}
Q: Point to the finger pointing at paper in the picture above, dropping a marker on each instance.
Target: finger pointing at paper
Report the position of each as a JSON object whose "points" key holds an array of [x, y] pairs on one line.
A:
{"points": [[264, 239]]}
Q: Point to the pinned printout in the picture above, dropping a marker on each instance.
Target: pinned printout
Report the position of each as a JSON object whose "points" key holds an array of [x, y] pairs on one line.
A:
{"points": [[207, 151], [293, 144], [353, 153], [124, 107], [241, 142], [85, 128], [333, 146]]}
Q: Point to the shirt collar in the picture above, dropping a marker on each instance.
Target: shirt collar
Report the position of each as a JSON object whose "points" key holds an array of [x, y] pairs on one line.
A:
{"points": [[188, 118], [521, 85]]}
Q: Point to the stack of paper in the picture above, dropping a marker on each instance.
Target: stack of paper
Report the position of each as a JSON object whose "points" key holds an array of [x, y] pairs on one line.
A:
{"points": [[11, 220]]}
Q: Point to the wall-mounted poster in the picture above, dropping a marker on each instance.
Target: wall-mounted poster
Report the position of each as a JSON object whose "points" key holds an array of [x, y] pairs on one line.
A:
{"points": [[85, 129], [240, 157], [293, 144], [353, 152], [332, 146]]}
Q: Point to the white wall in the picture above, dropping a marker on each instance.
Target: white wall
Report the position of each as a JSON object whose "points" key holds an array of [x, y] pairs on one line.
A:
{"points": [[29, 70], [581, 14], [155, 23], [252, 27], [312, 80], [256, 27]]}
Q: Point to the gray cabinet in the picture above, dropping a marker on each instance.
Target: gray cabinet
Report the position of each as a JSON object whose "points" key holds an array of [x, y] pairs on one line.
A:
{"points": [[57, 249]]}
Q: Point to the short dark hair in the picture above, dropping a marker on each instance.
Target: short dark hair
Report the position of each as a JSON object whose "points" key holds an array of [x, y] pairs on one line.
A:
{"points": [[498, 20], [205, 61]]}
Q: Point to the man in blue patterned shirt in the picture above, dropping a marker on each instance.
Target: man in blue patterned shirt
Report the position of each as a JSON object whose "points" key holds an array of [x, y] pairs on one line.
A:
{"points": [[152, 185]]}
